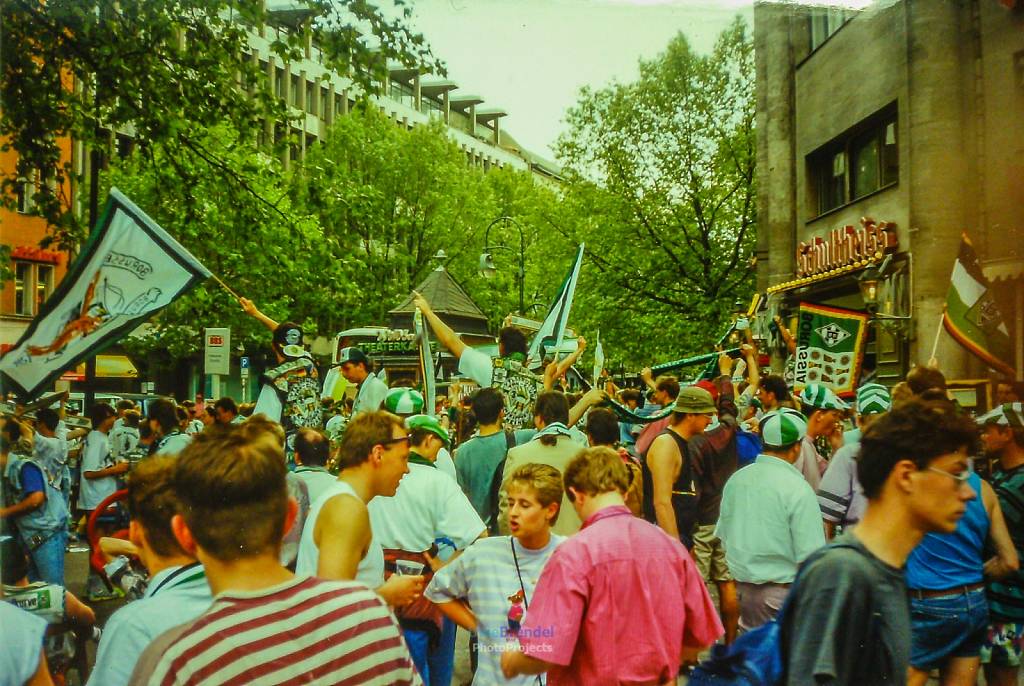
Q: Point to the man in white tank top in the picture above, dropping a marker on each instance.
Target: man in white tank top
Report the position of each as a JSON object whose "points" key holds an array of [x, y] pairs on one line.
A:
{"points": [[337, 540]]}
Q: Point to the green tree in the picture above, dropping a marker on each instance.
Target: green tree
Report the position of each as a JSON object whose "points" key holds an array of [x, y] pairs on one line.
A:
{"points": [[662, 189], [166, 73]]}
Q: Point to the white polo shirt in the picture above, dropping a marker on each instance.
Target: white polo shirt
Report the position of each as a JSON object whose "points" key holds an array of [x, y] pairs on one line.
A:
{"points": [[370, 397], [428, 505]]}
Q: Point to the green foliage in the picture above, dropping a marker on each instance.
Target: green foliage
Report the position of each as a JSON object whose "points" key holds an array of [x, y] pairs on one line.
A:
{"points": [[662, 190], [165, 72]]}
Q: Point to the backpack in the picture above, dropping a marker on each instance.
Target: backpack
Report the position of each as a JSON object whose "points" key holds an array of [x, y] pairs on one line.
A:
{"points": [[748, 447], [494, 496], [755, 658]]}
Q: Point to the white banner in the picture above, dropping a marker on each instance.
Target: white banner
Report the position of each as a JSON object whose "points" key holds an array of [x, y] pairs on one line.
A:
{"points": [[129, 269]]}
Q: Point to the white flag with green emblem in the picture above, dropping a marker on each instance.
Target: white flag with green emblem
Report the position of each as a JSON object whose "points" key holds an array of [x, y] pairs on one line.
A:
{"points": [[971, 315]]}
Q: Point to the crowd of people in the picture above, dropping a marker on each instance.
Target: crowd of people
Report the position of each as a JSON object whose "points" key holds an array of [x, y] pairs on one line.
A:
{"points": [[293, 541]]}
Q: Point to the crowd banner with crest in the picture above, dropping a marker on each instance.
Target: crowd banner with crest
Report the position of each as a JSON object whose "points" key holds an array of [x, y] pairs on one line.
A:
{"points": [[129, 269], [829, 347]]}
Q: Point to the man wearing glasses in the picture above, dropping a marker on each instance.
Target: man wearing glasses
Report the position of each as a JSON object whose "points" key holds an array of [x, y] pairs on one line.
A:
{"points": [[337, 540], [847, 621]]}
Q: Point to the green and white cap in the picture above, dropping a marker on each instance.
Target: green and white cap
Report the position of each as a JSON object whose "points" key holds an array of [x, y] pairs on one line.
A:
{"points": [[403, 401], [783, 428], [873, 398], [1010, 414], [428, 423], [821, 397]]}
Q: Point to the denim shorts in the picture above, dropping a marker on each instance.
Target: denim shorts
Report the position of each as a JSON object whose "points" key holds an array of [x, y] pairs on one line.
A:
{"points": [[954, 625]]}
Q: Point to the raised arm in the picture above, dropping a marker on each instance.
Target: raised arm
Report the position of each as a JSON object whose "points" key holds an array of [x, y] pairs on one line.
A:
{"points": [[648, 377], [570, 359], [250, 309], [786, 335], [444, 333]]}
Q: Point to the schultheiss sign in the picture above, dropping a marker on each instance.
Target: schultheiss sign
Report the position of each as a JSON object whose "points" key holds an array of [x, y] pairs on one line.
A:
{"points": [[845, 247]]}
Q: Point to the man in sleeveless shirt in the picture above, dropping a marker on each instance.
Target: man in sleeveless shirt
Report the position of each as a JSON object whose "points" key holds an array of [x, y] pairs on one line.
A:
{"points": [[673, 487]]}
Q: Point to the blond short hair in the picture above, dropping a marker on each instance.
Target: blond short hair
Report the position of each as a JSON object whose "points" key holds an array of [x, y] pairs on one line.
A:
{"points": [[544, 480], [595, 471]]}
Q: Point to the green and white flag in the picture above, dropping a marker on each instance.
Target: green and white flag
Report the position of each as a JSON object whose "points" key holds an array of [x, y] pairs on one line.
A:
{"points": [[971, 315], [829, 348], [129, 269], [550, 334]]}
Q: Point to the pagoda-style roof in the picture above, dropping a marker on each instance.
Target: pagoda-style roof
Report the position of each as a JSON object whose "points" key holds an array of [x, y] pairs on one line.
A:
{"points": [[449, 300]]}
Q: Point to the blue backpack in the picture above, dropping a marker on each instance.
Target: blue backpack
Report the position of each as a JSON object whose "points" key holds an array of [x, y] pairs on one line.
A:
{"points": [[755, 657], [748, 447]]}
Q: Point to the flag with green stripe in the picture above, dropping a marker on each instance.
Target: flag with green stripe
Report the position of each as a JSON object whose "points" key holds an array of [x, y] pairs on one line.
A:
{"points": [[971, 315]]}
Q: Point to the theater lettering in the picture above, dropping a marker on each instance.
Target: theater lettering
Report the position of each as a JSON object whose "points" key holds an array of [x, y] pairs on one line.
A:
{"points": [[846, 246]]}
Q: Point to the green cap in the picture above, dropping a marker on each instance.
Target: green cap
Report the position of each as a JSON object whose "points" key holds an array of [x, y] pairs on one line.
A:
{"points": [[873, 398], [783, 428], [821, 397], [404, 401], [428, 423], [1010, 414]]}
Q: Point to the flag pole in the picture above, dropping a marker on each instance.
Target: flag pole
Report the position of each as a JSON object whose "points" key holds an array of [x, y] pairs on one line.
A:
{"points": [[938, 334], [226, 287]]}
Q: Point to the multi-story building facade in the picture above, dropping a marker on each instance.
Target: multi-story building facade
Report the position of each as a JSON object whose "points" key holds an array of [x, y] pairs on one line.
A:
{"points": [[904, 124]]}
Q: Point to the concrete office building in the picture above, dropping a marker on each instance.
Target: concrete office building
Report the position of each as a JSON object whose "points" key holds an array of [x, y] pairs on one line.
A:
{"points": [[908, 114]]}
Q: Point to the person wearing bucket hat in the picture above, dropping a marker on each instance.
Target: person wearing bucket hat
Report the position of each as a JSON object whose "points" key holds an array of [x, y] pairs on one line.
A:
{"points": [[673, 491], [840, 496], [769, 520], [1002, 436], [824, 412], [427, 506], [355, 367]]}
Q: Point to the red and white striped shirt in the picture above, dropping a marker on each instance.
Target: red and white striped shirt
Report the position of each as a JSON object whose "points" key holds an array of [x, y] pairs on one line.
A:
{"points": [[305, 631]]}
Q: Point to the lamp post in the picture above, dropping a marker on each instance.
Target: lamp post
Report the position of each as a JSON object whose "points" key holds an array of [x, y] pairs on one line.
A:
{"points": [[488, 269]]}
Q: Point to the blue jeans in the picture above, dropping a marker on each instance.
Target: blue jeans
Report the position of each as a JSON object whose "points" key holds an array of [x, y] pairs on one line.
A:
{"points": [[46, 562], [435, 666], [946, 626]]}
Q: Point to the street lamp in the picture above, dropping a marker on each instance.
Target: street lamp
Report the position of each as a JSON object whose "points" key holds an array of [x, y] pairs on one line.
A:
{"points": [[487, 268]]}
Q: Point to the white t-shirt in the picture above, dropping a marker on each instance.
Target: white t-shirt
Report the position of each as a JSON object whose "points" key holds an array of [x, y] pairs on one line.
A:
{"points": [[446, 464], [269, 404], [485, 576], [123, 440], [371, 395], [21, 644], [477, 366], [317, 479], [371, 567], [428, 505], [172, 444], [95, 457], [52, 454]]}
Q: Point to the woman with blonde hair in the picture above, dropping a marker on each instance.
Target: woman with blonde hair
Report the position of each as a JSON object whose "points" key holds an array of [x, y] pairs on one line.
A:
{"points": [[488, 589]]}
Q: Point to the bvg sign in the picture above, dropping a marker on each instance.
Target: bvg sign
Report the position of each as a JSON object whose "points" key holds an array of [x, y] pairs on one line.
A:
{"points": [[846, 246]]}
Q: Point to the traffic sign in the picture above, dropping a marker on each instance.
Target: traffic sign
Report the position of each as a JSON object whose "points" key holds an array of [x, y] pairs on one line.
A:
{"points": [[243, 366]]}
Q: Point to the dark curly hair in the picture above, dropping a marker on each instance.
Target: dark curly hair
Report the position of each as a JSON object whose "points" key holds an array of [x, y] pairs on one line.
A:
{"points": [[919, 431]]}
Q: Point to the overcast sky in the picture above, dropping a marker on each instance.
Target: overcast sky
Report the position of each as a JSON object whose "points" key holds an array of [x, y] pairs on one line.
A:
{"points": [[531, 57]]}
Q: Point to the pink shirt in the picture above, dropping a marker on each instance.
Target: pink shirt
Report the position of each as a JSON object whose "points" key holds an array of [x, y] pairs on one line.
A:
{"points": [[649, 433], [616, 603]]}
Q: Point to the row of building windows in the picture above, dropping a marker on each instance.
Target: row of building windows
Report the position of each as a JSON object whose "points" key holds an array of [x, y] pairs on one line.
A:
{"points": [[855, 164]]}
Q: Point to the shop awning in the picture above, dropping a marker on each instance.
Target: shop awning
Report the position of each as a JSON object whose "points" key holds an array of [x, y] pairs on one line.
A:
{"points": [[107, 366], [1004, 270]]}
